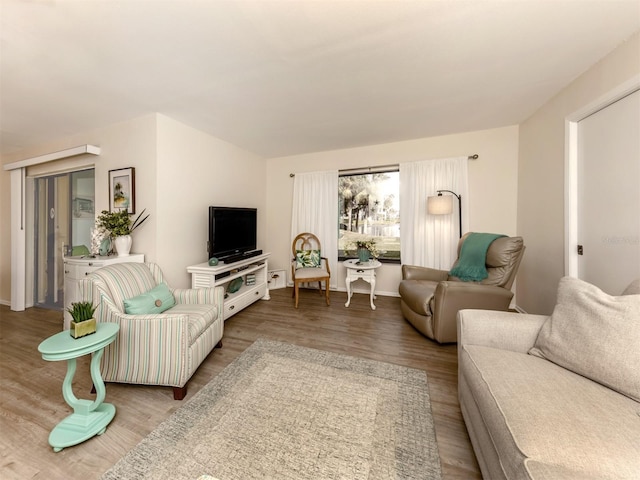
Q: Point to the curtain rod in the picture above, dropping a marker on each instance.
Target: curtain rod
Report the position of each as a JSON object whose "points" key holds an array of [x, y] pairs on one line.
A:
{"points": [[378, 168]]}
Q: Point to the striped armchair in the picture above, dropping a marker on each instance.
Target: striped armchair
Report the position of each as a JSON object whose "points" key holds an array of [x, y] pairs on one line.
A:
{"points": [[154, 349]]}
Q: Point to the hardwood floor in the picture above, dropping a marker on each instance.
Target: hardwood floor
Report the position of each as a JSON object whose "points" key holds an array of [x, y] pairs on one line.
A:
{"points": [[31, 402]]}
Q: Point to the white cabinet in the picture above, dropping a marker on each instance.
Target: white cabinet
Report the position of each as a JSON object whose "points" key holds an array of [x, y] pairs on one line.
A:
{"points": [[76, 268], [253, 272]]}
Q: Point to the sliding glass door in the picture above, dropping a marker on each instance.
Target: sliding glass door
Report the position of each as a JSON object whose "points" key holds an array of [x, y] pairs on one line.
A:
{"points": [[64, 217]]}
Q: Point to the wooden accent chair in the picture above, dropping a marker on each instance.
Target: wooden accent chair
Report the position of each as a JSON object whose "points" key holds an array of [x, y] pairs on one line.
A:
{"points": [[308, 264], [154, 346]]}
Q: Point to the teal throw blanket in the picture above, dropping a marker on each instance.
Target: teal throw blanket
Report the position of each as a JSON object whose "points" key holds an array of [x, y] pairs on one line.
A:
{"points": [[471, 266]]}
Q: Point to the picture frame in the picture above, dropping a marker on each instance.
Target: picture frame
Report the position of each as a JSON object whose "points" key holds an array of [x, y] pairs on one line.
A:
{"points": [[122, 190]]}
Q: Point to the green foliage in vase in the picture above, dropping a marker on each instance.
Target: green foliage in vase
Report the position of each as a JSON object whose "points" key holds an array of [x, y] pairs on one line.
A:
{"points": [[81, 311], [119, 223]]}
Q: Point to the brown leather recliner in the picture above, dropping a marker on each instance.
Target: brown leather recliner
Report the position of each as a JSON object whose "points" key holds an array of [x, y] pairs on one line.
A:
{"points": [[430, 298]]}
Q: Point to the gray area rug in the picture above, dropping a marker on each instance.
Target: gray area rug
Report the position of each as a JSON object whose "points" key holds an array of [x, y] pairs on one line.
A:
{"points": [[281, 411]]}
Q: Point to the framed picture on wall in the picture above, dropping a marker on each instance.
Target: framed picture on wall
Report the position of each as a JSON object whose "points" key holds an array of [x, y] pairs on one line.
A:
{"points": [[122, 190]]}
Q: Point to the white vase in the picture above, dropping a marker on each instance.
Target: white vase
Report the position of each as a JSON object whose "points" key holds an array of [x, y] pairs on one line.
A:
{"points": [[123, 245]]}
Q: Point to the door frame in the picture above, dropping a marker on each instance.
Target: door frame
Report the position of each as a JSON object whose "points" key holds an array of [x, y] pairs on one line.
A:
{"points": [[571, 167]]}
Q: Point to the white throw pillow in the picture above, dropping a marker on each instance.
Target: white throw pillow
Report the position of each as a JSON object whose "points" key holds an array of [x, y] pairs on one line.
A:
{"points": [[595, 335]]}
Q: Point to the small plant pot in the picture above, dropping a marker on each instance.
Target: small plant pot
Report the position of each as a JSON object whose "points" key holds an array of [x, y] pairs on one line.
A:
{"points": [[80, 329], [363, 255]]}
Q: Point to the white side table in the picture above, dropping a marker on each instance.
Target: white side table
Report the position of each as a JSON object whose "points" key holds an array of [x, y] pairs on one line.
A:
{"points": [[365, 271]]}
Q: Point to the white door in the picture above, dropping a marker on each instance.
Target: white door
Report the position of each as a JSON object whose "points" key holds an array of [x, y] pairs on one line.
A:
{"points": [[609, 195]]}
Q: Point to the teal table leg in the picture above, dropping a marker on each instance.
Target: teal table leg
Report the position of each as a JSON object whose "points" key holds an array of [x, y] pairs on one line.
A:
{"points": [[98, 383], [88, 418]]}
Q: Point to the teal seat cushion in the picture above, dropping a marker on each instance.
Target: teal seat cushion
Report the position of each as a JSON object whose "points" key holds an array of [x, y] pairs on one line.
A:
{"points": [[156, 300]]}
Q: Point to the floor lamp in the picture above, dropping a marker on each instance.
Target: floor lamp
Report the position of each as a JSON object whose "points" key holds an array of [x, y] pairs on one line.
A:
{"points": [[443, 205]]}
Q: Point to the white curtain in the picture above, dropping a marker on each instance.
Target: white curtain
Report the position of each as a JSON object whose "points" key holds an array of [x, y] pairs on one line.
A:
{"points": [[431, 240], [315, 210]]}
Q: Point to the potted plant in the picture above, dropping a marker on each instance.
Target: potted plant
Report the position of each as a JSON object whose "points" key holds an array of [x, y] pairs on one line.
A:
{"points": [[83, 322], [120, 226], [366, 249]]}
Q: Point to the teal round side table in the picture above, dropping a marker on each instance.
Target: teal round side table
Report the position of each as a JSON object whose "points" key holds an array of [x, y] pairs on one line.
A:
{"points": [[88, 418]]}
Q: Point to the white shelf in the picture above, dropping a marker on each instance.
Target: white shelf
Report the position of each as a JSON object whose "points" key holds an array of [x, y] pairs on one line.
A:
{"points": [[204, 276]]}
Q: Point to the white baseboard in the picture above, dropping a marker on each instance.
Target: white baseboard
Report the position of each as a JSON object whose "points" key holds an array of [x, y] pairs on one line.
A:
{"points": [[368, 292], [359, 290]]}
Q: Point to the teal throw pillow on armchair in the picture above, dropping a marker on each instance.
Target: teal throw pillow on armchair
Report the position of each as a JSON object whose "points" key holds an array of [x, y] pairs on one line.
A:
{"points": [[155, 301], [307, 258]]}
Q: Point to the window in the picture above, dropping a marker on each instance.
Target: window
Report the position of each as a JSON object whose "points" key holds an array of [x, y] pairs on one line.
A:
{"points": [[370, 210]]}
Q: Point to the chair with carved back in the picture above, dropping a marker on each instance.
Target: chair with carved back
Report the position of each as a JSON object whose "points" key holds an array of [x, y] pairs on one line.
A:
{"points": [[308, 264]]}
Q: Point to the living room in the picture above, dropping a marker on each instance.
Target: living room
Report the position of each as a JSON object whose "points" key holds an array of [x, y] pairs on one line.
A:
{"points": [[516, 186], [514, 160]]}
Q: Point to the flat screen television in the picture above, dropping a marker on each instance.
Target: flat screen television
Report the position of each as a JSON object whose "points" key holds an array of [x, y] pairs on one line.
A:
{"points": [[232, 231]]}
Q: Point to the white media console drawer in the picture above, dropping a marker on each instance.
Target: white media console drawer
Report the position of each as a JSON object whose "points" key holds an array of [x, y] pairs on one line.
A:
{"points": [[205, 276], [241, 299]]}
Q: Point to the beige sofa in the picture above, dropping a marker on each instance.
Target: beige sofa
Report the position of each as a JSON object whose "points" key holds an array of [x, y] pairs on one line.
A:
{"points": [[554, 397]]}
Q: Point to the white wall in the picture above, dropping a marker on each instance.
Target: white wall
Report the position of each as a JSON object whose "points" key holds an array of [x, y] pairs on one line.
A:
{"points": [[492, 186], [541, 175], [196, 170], [126, 144], [519, 168], [179, 172]]}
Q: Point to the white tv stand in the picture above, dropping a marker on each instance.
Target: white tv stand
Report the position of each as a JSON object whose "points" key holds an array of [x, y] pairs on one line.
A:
{"points": [[204, 276]]}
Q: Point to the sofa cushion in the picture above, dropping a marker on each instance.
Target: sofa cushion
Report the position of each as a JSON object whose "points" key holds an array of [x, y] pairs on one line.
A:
{"points": [[546, 421], [595, 335], [156, 300]]}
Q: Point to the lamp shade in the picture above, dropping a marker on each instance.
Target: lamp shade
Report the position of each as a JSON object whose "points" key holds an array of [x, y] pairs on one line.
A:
{"points": [[440, 205]]}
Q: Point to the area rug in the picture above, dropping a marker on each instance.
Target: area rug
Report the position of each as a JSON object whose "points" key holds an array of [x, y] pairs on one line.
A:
{"points": [[281, 411]]}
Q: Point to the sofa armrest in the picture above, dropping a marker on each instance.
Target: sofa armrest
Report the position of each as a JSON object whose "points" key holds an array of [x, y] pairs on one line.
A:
{"points": [[455, 296], [212, 296], [506, 330], [412, 272], [451, 297]]}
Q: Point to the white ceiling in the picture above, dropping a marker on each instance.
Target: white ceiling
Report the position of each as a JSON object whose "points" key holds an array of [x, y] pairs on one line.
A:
{"points": [[286, 77]]}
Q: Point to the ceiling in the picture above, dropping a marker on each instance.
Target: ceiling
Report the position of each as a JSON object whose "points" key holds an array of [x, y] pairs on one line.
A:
{"points": [[287, 77]]}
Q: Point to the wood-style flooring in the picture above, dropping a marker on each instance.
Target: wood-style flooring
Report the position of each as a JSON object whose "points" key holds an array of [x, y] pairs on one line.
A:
{"points": [[31, 402]]}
